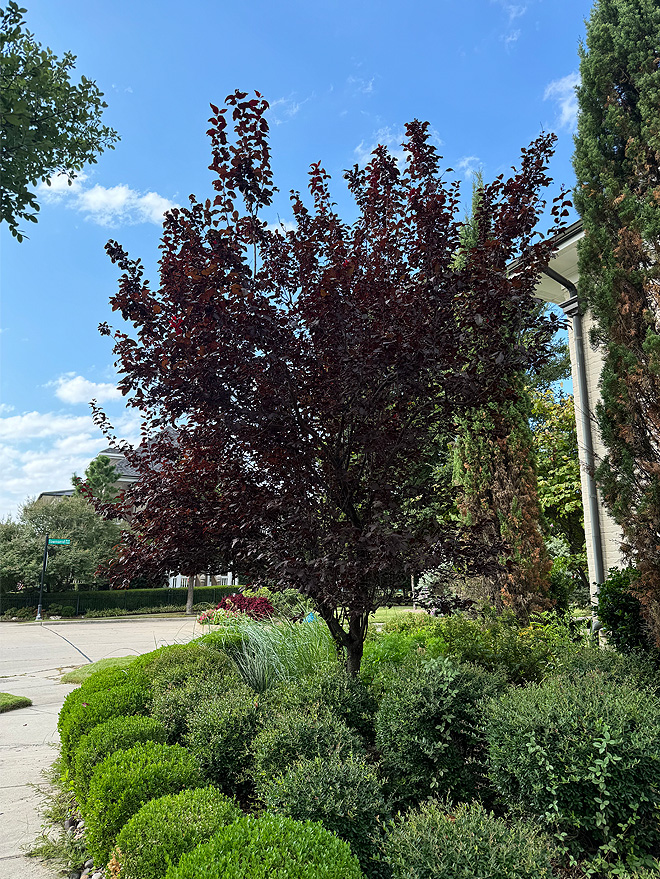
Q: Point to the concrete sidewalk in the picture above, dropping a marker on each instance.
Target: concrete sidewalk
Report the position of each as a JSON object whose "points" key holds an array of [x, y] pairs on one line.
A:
{"points": [[33, 657]]}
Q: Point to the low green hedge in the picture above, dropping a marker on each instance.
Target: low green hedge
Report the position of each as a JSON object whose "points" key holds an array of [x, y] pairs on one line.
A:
{"points": [[116, 734], [126, 780], [268, 847], [127, 599], [167, 827], [581, 757], [174, 705], [440, 842], [343, 794]]}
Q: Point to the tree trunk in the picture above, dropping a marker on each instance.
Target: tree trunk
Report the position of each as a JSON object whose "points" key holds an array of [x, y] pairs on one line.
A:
{"points": [[191, 594], [354, 650]]}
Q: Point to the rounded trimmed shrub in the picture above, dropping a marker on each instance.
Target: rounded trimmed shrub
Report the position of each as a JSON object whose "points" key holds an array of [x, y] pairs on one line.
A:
{"points": [[345, 795], [219, 736], [439, 842], [176, 665], [429, 732], [129, 698], [169, 826], [173, 703], [125, 781], [581, 756], [273, 845], [116, 734], [292, 735], [100, 680], [348, 698]]}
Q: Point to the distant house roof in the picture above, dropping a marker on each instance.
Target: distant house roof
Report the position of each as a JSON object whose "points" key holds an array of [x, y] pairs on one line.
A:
{"points": [[120, 463], [51, 495]]}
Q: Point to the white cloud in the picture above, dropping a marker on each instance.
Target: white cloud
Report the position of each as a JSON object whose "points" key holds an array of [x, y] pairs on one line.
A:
{"points": [[72, 388], [106, 206], [282, 226], [39, 451], [284, 109], [387, 136], [562, 92], [360, 85], [392, 138], [469, 164]]}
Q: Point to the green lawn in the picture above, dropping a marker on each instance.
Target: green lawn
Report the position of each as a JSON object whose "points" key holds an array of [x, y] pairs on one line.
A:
{"points": [[9, 702], [78, 675], [384, 614]]}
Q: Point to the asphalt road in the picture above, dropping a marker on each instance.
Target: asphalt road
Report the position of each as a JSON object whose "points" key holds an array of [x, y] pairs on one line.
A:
{"points": [[33, 658]]}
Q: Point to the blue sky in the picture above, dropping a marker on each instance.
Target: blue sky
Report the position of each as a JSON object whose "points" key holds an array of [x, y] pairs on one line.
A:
{"points": [[340, 76]]}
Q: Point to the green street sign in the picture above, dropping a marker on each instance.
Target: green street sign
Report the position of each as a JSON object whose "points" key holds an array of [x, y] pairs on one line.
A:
{"points": [[56, 541]]}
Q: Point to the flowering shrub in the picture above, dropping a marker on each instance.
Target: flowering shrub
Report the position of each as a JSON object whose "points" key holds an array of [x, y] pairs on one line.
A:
{"points": [[253, 606]]}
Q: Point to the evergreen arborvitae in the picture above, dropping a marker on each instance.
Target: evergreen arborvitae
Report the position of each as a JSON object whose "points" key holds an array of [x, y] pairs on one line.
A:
{"points": [[617, 165], [495, 469]]}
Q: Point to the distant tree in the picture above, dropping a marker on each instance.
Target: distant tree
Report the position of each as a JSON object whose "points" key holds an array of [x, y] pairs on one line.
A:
{"points": [[93, 542], [49, 125], [100, 480], [291, 381], [617, 165]]}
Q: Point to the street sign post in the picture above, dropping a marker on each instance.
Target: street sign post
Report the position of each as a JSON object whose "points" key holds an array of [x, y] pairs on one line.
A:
{"points": [[50, 541]]}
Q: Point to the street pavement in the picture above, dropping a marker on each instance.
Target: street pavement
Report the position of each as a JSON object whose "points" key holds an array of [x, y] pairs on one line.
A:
{"points": [[33, 658]]}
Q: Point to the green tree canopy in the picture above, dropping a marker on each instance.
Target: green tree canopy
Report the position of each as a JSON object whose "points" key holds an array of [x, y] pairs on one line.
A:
{"points": [[49, 124], [100, 478], [617, 167], [22, 543]]}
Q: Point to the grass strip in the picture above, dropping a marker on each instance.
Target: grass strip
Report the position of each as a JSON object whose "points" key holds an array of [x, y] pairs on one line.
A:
{"points": [[9, 702], [78, 675]]}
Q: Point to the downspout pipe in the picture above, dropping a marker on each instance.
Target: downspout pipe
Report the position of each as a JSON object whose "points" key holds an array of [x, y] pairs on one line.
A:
{"points": [[571, 308]]}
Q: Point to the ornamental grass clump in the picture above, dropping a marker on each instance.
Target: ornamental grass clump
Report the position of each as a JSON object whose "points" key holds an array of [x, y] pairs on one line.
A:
{"points": [[266, 653], [467, 842], [116, 734], [580, 756], [267, 847], [126, 780], [166, 828], [429, 732]]}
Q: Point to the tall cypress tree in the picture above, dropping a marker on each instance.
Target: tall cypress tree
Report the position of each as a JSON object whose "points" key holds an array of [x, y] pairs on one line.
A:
{"points": [[617, 165], [495, 469]]}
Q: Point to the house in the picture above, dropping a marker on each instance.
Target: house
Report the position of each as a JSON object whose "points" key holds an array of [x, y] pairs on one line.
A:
{"points": [[559, 286]]}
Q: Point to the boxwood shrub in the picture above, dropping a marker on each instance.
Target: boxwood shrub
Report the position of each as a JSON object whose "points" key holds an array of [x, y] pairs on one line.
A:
{"points": [[291, 735], [440, 842], [124, 781], [100, 680], [343, 794], [348, 698], [176, 664], [126, 699], [429, 732], [219, 736], [116, 734], [165, 828], [273, 845], [172, 704], [581, 756]]}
